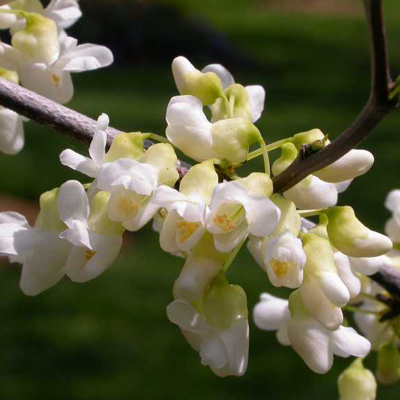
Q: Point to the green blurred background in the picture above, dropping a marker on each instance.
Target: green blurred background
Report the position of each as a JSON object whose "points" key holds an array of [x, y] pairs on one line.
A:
{"points": [[110, 338]]}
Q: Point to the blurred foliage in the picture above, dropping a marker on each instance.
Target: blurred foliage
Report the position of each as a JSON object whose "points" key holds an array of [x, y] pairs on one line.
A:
{"points": [[110, 338]]}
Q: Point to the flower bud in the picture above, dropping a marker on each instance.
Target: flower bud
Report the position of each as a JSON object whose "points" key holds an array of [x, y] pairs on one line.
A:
{"points": [[190, 81], [232, 139], [357, 383], [388, 371], [258, 184], [351, 165], [289, 154], [38, 42], [126, 145], [224, 304], [353, 238], [48, 218], [307, 137]]}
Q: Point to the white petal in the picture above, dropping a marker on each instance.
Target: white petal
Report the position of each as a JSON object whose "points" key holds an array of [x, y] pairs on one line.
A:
{"points": [[46, 265], [80, 163], [11, 217], [317, 194], [195, 277], [142, 177], [49, 82], [81, 268], [351, 165], [228, 241], [311, 342], [347, 342], [145, 214], [392, 202], [188, 128], [374, 245], [181, 313], [256, 95], [86, 57], [64, 12], [352, 283], [11, 132], [213, 352], [225, 76], [271, 313], [334, 289], [78, 235], [97, 148], [6, 20], [236, 341], [10, 233], [342, 186], [73, 204], [319, 306], [9, 57], [367, 265]]}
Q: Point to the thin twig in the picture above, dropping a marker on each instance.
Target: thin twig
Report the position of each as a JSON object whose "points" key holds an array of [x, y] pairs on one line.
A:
{"points": [[377, 107]]}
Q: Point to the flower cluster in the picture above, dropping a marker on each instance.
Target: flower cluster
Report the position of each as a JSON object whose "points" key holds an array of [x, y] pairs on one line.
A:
{"points": [[206, 216], [41, 57]]}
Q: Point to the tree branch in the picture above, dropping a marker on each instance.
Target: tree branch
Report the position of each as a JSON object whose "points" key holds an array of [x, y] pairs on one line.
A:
{"points": [[377, 107]]}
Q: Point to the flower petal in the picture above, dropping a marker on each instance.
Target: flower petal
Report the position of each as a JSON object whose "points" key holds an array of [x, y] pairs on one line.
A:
{"points": [[73, 204], [80, 163], [271, 313], [11, 132], [225, 76], [257, 98], [347, 342]]}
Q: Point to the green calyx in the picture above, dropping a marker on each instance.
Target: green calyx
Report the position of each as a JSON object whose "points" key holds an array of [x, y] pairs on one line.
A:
{"points": [[200, 179], [258, 184], [126, 145], [314, 135], [388, 370], [98, 221], [163, 158], [290, 218], [48, 218], [224, 304], [232, 139], [11, 76], [288, 155]]}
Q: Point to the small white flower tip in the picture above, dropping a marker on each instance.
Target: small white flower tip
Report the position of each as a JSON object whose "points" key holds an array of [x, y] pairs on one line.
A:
{"points": [[374, 245], [103, 122], [392, 202]]}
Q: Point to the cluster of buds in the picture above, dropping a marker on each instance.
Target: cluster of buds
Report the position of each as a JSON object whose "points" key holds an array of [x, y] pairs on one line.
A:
{"points": [[206, 216], [41, 57]]}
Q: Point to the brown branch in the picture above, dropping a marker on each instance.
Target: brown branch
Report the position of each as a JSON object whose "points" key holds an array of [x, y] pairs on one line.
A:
{"points": [[377, 107]]}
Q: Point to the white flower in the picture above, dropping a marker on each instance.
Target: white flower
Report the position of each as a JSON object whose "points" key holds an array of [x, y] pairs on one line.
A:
{"points": [[221, 333], [185, 222], [39, 249], [131, 184], [97, 150], [315, 344], [235, 212], [190, 131], [282, 257], [54, 81], [323, 292], [93, 252], [256, 93]]}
